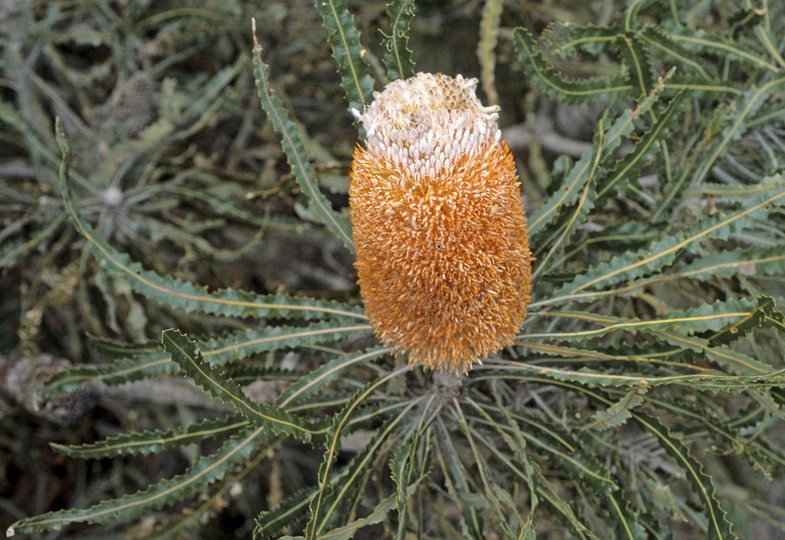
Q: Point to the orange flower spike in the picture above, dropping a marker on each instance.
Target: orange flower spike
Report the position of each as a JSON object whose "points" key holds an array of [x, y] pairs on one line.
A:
{"points": [[439, 229]]}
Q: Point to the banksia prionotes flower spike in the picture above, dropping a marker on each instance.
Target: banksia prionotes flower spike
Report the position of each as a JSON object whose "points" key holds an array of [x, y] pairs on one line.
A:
{"points": [[439, 229]]}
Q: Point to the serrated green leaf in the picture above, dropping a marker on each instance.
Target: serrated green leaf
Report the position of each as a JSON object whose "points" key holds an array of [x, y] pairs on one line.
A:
{"points": [[592, 39], [489, 486], [698, 40], [618, 413], [272, 419], [242, 344], [217, 351], [627, 524], [185, 295], [662, 253], [147, 442], [330, 496], [757, 452], [397, 56], [705, 380], [656, 37], [320, 377], [754, 261], [14, 251], [559, 446], [119, 372], [118, 349], [209, 503], [625, 169], [605, 142], [551, 498], [348, 52], [459, 485], [636, 59], [718, 526], [545, 77], [270, 523], [294, 149], [706, 317], [400, 468], [348, 531], [734, 126], [203, 472]]}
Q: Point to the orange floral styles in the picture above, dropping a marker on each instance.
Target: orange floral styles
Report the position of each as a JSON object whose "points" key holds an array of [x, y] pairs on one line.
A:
{"points": [[439, 229]]}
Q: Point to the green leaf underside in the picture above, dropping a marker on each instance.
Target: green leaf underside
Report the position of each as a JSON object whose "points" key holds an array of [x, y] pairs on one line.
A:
{"points": [[295, 151], [272, 419], [702, 486]]}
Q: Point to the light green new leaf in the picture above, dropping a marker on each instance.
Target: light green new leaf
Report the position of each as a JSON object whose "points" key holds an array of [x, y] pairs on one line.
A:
{"points": [[294, 149]]}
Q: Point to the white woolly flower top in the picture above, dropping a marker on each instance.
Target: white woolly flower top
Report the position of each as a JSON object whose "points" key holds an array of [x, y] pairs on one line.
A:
{"points": [[424, 123]]}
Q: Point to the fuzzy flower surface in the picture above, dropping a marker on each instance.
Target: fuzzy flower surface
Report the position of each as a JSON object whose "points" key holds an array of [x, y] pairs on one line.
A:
{"points": [[443, 258]]}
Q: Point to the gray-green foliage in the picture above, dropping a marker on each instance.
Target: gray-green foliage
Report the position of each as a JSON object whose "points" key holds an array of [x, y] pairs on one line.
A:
{"points": [[651, 349]]}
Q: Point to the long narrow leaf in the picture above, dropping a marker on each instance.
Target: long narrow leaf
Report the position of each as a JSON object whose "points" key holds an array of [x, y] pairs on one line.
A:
{"points": [[397, 56], [295, 150], [348, 52], [206, 470], [272, 419]]}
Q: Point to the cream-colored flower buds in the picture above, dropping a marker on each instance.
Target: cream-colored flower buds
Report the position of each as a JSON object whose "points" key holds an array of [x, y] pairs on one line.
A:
{"points": [[439, 229]]}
